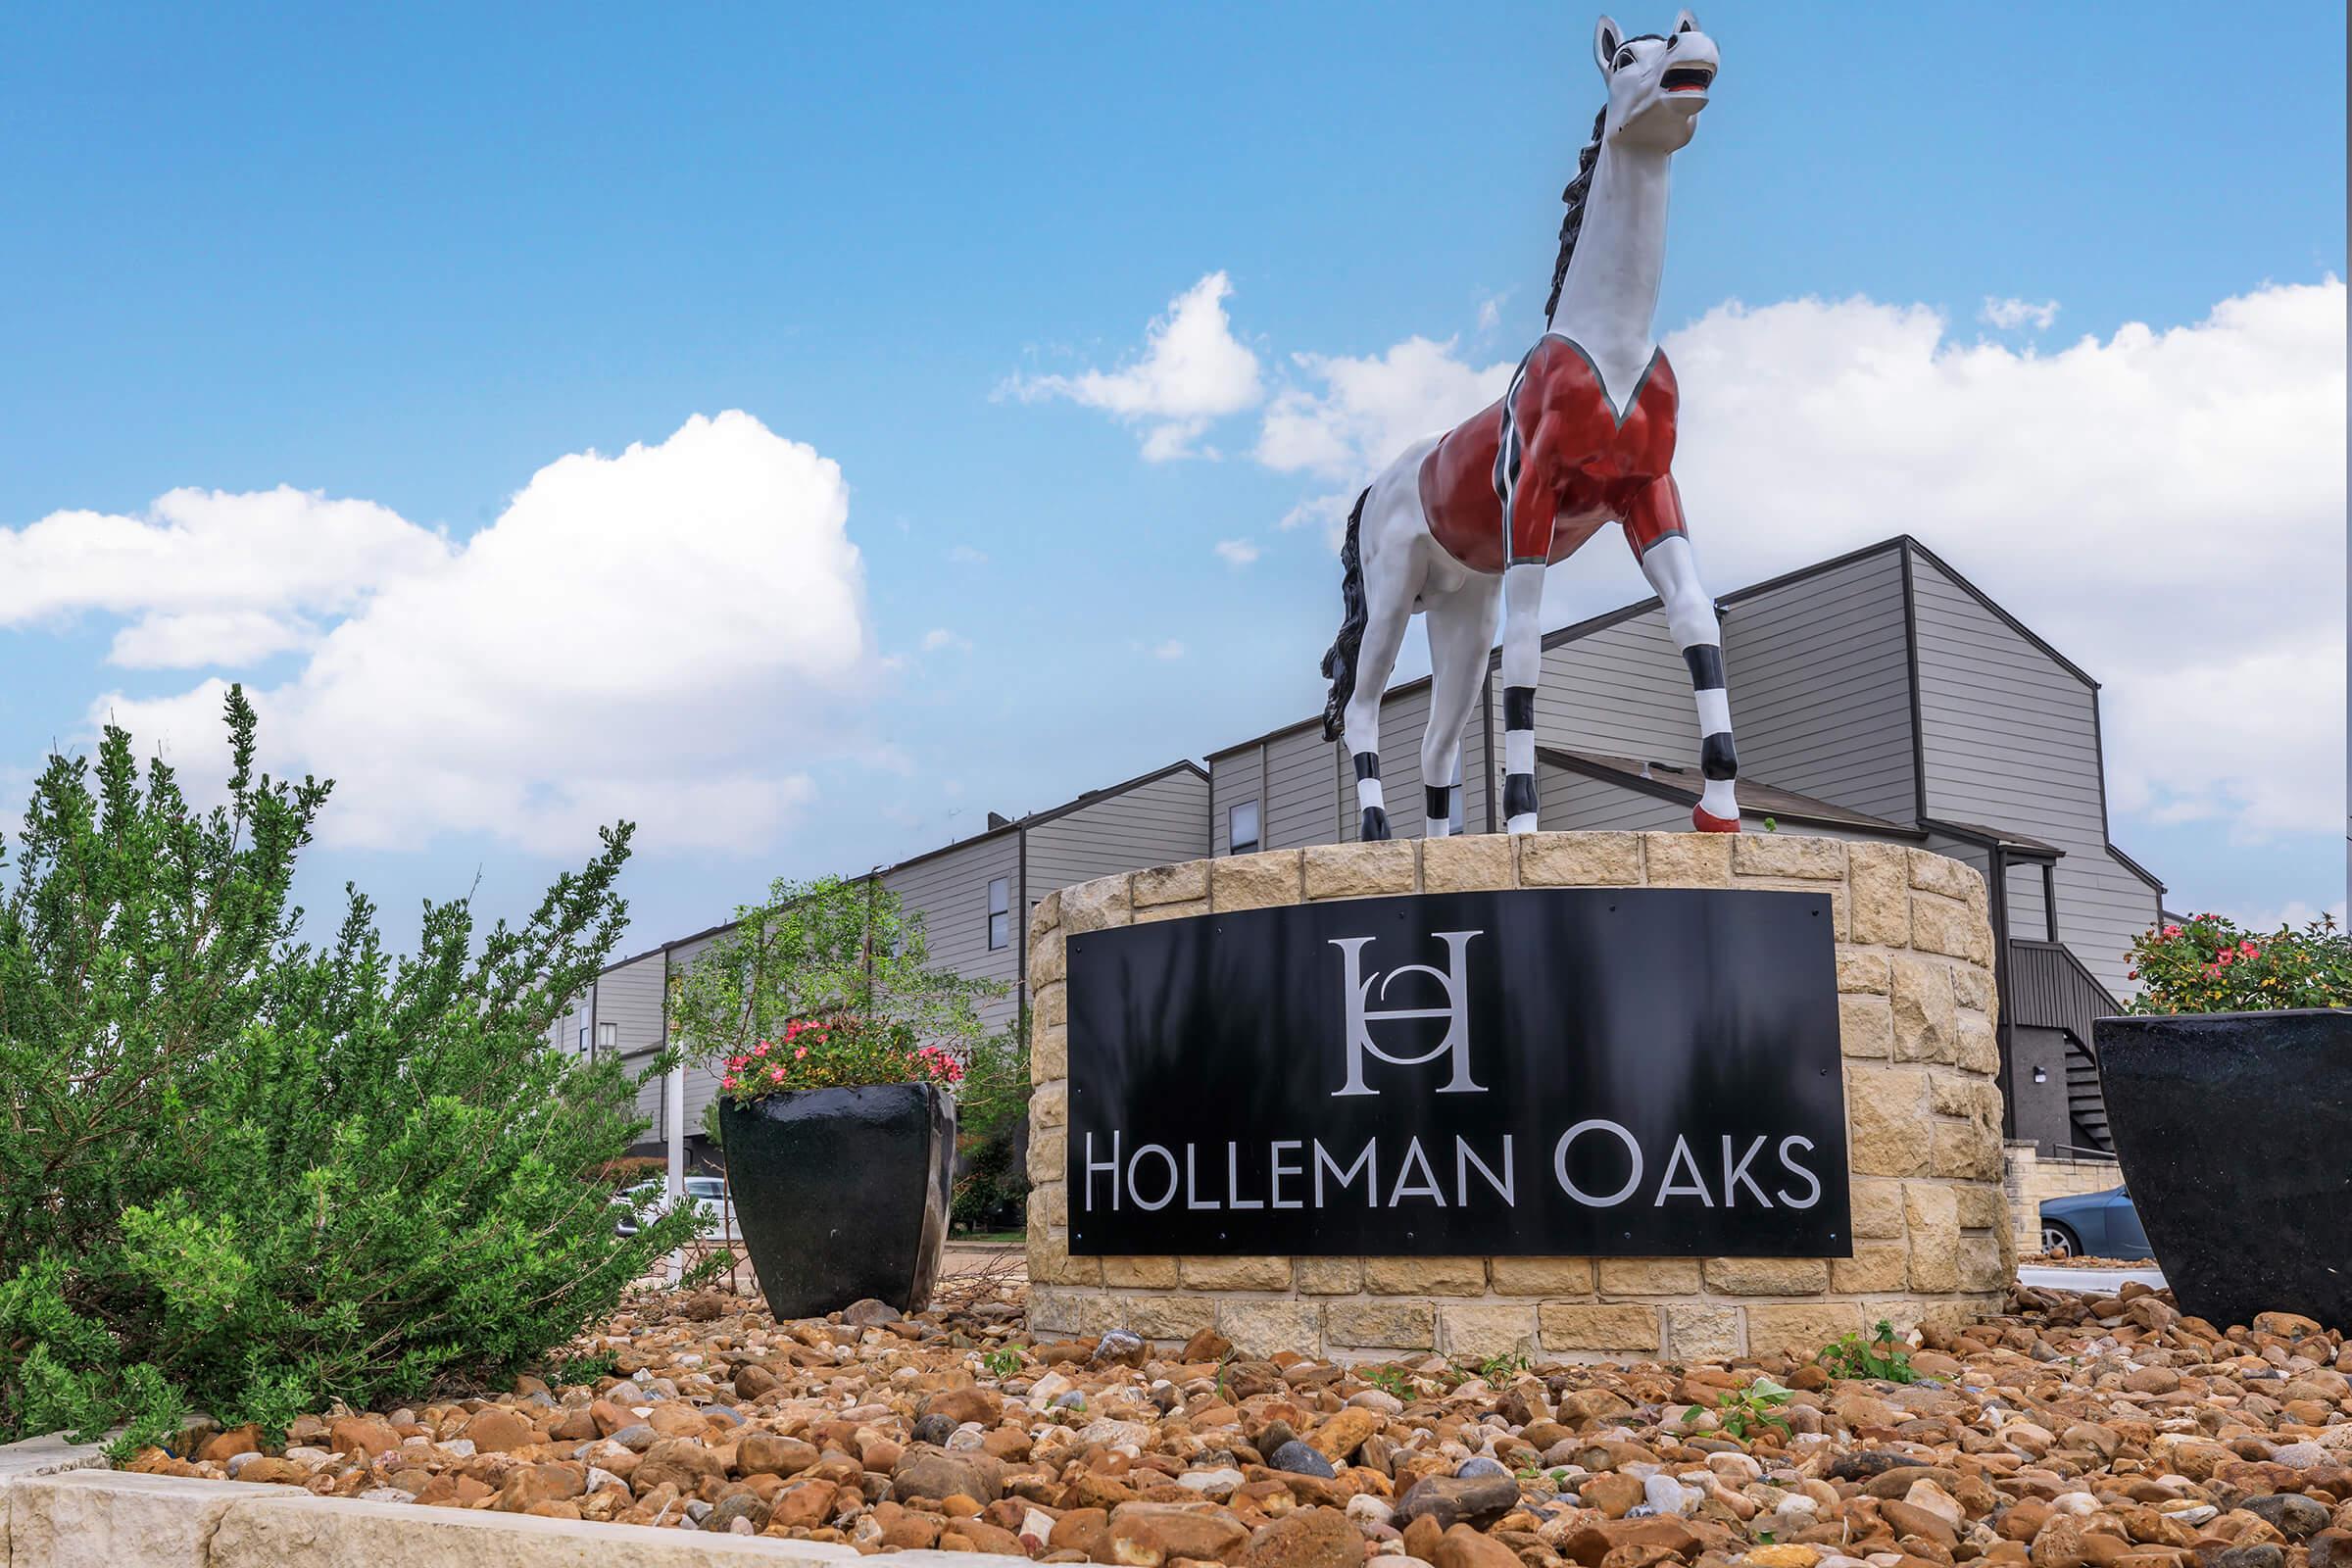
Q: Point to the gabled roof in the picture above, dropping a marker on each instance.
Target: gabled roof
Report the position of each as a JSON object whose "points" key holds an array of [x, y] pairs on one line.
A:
{"points": [[1683, 785]]}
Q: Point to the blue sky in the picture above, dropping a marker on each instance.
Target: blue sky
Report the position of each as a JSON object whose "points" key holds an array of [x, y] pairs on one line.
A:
{"points": [[412, 258]]}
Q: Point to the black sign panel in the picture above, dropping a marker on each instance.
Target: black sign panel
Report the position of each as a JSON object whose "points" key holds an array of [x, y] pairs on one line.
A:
{"points": [[1645, 1072]]}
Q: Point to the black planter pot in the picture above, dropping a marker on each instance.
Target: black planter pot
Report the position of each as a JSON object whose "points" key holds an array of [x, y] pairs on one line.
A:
{"points": [[842, 1194], [2235, 1132]]}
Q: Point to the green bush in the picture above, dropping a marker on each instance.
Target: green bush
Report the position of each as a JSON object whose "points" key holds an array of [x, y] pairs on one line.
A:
{"points": [[2205, 963], [251, 1173], [992, 1108]]}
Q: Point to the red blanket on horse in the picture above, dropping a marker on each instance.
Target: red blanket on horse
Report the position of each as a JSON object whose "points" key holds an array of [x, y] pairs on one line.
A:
{"points": [[1569, 463]]}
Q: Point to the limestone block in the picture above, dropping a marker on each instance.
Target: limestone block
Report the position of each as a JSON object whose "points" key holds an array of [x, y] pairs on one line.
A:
{"points": [[1801, 1329], [1865, 972], [111, 1519], [1976, 1049], [1048, 1153], [1048, 1051], [1878, 1207], [1880, 875], [1050, 1259], [1077, 1313], [1237, 1273], [1970, 1149], [1477, 1330], [1541, 1276], [1047, 917], [1956, 1095], [1865, 1027], [1583, 1325], [1467, 862], [1972, 987], [1327, 1276], [1799, 855], [1053, 1199], [294, 1526], [1140, 1273], [1256, 881], [1182, 882], [1926, 1017], [1983, 1208], [1887, 1112], [1687, 859], [1649, 1276], [1049, 1107], [1052, 1310], [1875, 1267], [1425, 1276], [1046, 963], [1050, 1004], [1171, 911], [1933, 1216], [1958, 930], [1382, 1325], [1579, 859], [1265, 1327], [1982, 1267], [1095, 905], [1359, 870], [1940, 873], [1171, 1317], [1703, 1333], [1768, 1276]]}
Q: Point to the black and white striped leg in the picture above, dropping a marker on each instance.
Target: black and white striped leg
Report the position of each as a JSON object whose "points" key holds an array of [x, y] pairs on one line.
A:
{"points": [[1368, 797], [1690, 616], [1521, 665], [1436, 810]]}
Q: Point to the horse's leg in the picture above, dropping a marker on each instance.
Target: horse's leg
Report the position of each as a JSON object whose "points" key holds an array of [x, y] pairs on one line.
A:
{"points": [[1391, 581], [1461, 628], [1673, 571], [1522, 668]]}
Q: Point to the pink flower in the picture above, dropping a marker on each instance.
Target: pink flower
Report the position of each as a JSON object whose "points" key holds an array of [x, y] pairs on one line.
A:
{"points": [[798, 1053], [728, 1082], [2172, 931], [760, 1050], [2222, 959], [775, 1074], [2249, 949]]}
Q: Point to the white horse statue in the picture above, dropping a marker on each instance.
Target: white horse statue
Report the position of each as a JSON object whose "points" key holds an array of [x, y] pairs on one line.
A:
{"points": [[1467, 521]]}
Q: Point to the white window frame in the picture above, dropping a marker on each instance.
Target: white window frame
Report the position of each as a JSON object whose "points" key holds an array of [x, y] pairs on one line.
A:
{"points": [[1000, 908], [1257, 827]]}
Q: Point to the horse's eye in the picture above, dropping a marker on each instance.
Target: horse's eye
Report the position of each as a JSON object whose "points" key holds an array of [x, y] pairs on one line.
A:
{"points": [[1625, 59]]}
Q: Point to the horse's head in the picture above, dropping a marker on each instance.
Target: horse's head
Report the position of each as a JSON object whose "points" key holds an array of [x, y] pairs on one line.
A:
{"points": [[1658, 85]]}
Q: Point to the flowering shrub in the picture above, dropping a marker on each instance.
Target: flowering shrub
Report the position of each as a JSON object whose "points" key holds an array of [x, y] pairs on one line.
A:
{"points": [[840, 1053], [2207, 964]]}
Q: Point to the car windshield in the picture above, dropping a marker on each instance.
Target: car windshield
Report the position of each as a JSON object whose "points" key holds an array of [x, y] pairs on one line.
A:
{"points": [[706, 1187]]}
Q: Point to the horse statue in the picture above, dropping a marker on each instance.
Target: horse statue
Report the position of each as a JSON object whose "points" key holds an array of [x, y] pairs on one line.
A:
{"points": [[1585, 437]]}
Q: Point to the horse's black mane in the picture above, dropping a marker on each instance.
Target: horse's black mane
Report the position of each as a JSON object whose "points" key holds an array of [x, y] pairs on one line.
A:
{"points": [[1581, 186]]}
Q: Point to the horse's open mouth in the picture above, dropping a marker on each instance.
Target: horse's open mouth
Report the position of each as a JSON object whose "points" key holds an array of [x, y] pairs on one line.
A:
{"points": [[1688, 79]]}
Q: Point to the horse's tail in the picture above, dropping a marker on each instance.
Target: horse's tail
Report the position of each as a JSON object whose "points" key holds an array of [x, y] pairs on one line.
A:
{"points": [[1340, 662]]}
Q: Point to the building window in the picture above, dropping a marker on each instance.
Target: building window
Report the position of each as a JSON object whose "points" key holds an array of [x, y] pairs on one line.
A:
{"points": [[1000, 913], [1240, 829], [608, 1039], [583, 1040]]}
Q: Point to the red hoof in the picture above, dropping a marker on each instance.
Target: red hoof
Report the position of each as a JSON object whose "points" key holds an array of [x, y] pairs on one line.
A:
{"points": [[1706, 822]]}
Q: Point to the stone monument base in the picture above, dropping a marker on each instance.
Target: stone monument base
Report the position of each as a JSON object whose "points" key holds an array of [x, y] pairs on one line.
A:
{"points": [[1932, 1241]]}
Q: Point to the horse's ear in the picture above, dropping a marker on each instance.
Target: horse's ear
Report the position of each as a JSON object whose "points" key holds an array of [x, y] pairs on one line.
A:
{"points": [[1606, 36], [1685, 21]]}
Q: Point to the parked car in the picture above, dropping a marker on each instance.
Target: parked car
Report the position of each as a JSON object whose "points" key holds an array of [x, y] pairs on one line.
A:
{"points": [[708, 1194], [2093, 1225]]}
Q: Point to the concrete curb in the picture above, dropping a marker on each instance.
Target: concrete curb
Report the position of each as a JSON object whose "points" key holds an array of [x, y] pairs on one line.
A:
{"points": [[95, 1518]]}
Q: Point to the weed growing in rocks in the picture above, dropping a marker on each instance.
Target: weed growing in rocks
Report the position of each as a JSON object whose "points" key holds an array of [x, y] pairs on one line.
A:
{"points": [[1879, 1356]]}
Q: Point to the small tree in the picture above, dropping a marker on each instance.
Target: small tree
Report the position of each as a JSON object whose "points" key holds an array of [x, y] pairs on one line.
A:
{"points": [[2205, 963], [825, 949], [246, 1171]]}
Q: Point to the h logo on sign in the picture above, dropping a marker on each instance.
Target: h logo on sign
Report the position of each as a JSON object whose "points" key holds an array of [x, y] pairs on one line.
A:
{"points": [[1455, 1013]]}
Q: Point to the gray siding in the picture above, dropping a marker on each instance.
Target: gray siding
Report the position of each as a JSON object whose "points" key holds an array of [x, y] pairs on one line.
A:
{"points": [[702, 1082], [1569, 802], [2010, 739], [1233, 778], [949, 892], [1157, 823], [1820, 680], [1301, 804], [1622, 691], [630, 998]]}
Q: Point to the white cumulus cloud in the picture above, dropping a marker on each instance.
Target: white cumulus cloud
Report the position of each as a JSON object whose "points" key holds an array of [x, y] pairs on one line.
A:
{"points": [[1171, 649], [2010, 314], [1192, 371], [668, 633], [1235, 552], [212, 578]]}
